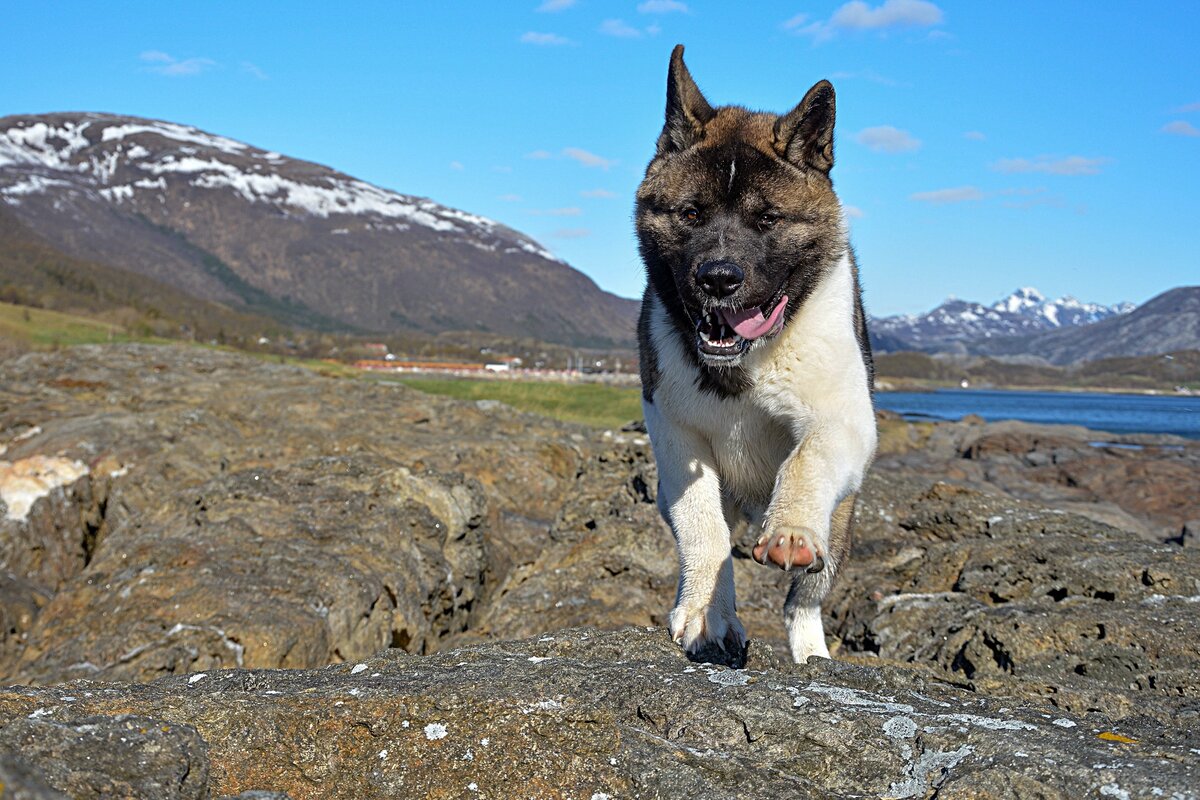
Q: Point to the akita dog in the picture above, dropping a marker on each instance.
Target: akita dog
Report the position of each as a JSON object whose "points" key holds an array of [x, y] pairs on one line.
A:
{"points": [[756, 369]]}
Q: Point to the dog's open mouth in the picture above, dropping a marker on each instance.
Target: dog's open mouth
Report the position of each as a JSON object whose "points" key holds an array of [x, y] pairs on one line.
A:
{"points": [[726, 333]]}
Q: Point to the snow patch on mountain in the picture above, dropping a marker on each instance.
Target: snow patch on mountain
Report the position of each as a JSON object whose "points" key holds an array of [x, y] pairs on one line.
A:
{"points": [[956, 323], [179, 133], [36, 145], [33, 184]]}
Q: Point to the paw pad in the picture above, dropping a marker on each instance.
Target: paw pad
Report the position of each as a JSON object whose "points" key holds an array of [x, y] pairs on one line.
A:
{"points": [[790, 548]]}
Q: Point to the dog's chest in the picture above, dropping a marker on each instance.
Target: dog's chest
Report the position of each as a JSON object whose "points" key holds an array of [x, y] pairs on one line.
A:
{"points": [[749, 446]]}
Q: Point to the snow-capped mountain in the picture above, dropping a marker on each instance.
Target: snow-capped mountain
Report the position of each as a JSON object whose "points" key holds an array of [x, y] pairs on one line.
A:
{"points": [[955, 324], [229, 222], [1164, 324]]}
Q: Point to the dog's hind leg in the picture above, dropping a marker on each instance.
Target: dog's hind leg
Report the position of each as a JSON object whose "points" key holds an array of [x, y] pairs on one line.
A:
{"points": [[802, 611], [689, 497]]}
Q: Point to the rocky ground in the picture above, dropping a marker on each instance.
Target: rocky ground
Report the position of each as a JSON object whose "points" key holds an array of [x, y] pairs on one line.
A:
{"points": [[226, 576]]}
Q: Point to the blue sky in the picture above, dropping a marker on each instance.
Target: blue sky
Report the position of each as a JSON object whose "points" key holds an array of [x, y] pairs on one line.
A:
{"points": [[981, 146]]}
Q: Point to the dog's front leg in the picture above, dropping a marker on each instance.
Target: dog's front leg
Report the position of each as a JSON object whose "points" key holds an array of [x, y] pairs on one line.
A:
{"points": [[689, 497], [807, 525]]}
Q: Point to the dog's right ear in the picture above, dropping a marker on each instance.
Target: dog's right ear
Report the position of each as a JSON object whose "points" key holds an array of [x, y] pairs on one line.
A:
{"points": [[687, 110]]}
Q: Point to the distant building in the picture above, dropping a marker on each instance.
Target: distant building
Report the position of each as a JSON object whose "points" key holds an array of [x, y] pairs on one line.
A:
{"points": [[417, 366]]}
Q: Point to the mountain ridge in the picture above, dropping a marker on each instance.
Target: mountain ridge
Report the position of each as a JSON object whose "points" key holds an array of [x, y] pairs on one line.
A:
{"points": [[956, 325], [1167, 322], [250, 228]]}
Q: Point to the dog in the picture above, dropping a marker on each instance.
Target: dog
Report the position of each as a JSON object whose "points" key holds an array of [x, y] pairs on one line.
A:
{"points": [[755, 364]]}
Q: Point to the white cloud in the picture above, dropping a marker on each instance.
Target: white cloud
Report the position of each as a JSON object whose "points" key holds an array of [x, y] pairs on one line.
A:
{"points": [[867, 75], [886, 139], [571, 233], [853, 212], [618, 28], [975, 136], [457, 166], [1181, 128], [503, 169], [586, 158], [959, 194], [254, 70], [571, 211], [550, 6], [510, 198], [544, 39], [164, 64], [1071, 165], [661, 7], [1188, 109], [859, 16], [795, 22], [603, 194]]}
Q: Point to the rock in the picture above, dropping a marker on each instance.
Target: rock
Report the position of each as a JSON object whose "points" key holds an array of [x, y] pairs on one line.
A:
{"points": [[248, 515], [582, 712], [1019, 600], [330, 559], [242, 513], [120, 755], [22, 782], [1189, 534], [1141, 482], [21, 601]]}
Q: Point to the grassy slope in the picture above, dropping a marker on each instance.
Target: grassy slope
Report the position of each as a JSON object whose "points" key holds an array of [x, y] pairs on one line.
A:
{"points": [[588, 403], [34, 273], [38, 328]]}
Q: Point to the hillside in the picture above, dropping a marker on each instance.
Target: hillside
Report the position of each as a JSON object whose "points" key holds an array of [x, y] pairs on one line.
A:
{"points": [[1166, 323], [36, 274], [271, 236]]}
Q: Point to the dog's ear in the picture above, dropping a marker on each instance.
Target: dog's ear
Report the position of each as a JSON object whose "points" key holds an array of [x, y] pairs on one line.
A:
{"points": [[687, 110], [805, 135]]}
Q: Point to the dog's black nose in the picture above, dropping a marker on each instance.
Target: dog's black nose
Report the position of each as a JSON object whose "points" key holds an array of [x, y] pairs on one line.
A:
{"points": [[719, 278]]}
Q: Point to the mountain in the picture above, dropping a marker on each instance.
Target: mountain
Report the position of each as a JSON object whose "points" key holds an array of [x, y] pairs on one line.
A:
{"points": [[1166, 323], [303, 244], [957, 325]]}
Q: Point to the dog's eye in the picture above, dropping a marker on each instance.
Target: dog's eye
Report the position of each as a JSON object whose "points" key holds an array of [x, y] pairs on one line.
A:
{"points": [[690, 215], [767, 220]]}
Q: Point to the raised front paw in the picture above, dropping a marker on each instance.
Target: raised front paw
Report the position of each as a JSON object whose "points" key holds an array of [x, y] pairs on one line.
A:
{"points": [[789, 546], [697, 627]]}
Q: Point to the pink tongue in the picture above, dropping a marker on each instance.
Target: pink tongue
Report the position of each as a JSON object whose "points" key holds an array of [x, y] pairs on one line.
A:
{"points": [[751, 324]]}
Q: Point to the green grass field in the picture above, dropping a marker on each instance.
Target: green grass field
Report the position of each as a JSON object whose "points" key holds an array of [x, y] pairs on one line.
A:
{"points": [[38, 328], [594, 404]]}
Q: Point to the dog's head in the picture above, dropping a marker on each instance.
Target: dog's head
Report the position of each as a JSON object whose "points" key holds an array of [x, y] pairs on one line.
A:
{"points": [[736, 217]]}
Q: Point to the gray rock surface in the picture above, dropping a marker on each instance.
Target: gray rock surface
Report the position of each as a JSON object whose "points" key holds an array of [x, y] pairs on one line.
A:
{"points": [[1144, 483], [1014, 599], [581, 712], [240, 516], [111, 756]]}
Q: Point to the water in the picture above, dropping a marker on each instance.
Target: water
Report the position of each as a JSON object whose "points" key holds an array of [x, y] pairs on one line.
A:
{"points": [[1116, 413]]}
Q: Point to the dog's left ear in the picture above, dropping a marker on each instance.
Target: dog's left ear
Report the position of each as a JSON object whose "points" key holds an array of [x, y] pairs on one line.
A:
{"points": [[805, 135]]}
